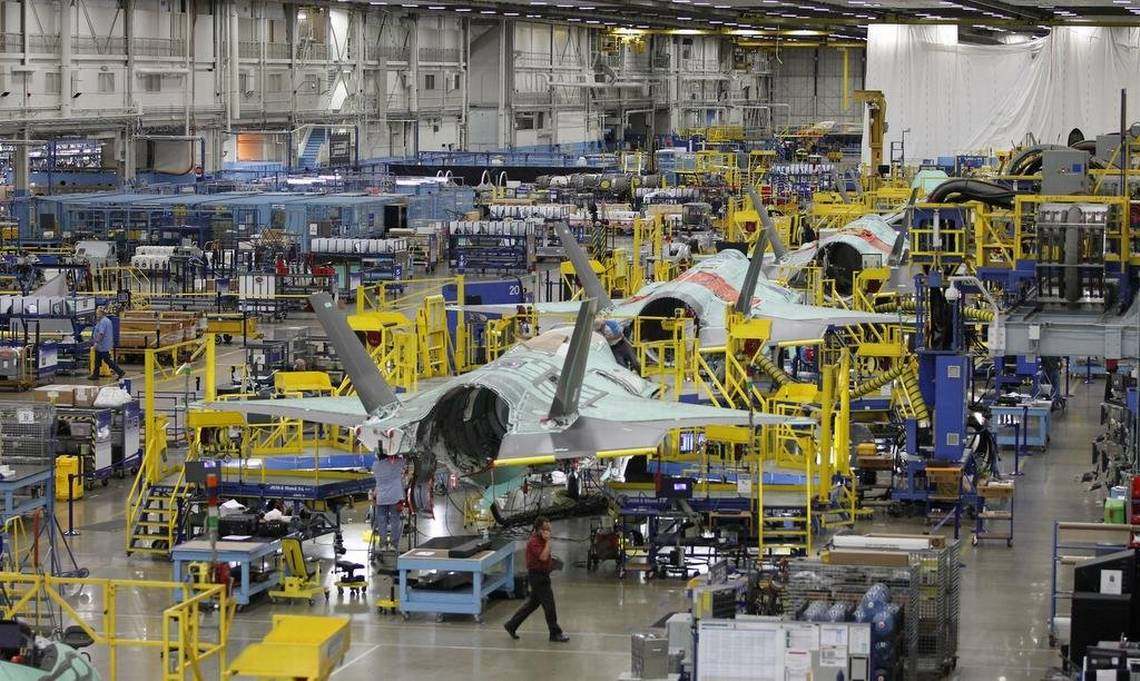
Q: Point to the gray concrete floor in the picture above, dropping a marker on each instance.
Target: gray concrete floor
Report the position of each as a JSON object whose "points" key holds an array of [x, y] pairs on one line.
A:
{"points": [[1005, 601]]}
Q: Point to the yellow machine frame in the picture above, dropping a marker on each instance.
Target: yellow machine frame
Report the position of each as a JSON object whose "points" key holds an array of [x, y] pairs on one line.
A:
{"points": [[300, 582]]}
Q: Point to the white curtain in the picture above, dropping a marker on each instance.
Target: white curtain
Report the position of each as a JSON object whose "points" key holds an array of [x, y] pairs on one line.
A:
{"points": [[959, 98]]}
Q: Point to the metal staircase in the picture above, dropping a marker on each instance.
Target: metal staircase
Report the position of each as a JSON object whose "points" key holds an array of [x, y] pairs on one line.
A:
{"points": [[311, 152], [154, 506], [154, 526]]}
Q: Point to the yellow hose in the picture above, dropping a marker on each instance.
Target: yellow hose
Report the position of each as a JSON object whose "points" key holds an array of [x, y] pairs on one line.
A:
{"points": [[878, 381], [769, 367], [972, 314], [907, 376]]}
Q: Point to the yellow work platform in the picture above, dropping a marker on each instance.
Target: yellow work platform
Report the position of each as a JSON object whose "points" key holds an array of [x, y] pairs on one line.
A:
{"points": [[297, 647]]}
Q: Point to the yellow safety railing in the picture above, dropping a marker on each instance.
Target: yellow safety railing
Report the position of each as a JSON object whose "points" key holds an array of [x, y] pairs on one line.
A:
{"points": [[797, 443], [188, 639], [994, 243], [286, 436], [667, 358], [162, 365], [434, 340]]}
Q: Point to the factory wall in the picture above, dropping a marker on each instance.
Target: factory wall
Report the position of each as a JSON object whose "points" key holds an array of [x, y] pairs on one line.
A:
{"points": [[811, 82], [405, 81]]}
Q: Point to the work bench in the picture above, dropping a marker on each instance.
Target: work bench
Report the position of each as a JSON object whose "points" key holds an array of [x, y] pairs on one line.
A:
{"points": [[246, 554], [490, 571]]}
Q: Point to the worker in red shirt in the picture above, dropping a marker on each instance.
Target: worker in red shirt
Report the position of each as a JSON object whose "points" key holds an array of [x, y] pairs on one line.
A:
{"points": [[539, 563]]}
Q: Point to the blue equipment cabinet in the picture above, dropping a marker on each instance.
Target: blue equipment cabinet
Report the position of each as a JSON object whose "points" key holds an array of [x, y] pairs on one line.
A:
{"points": [[949, 382]]}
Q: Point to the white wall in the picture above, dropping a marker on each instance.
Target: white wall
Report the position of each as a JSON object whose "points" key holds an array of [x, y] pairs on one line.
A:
{"points": [[386, 58]]}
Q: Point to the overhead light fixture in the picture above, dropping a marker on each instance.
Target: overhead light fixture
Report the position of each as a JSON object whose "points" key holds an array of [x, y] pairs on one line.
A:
{"points": [[436, 8]]}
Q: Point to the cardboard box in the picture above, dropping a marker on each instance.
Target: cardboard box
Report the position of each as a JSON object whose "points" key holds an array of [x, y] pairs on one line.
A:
{"points": [[877, 558], [85, 395], [61, 395], [937, 541]]}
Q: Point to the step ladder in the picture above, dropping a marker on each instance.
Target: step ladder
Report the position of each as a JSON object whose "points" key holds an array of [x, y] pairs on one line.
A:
{"points": [[153, 529]]}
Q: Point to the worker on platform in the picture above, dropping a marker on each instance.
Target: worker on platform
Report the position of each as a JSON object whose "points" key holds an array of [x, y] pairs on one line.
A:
{"points": [[539, 564], [388, 497], [612, 331], [103, 340]]}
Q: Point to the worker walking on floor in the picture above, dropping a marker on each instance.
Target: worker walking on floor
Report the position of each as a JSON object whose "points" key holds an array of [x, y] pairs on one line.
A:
{"points": [[103, 339], [387, 520], [539, 564]]}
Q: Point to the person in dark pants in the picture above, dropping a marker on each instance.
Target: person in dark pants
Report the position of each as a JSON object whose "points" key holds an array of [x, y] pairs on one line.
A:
{"points": [[103, 338], [539, 563]]}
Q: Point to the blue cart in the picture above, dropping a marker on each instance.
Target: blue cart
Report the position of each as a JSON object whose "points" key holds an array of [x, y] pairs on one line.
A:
{"points": [[490, 571], [245, 554]]}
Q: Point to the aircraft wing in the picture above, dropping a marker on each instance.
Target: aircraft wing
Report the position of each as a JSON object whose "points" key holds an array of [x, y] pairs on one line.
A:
{"points": [[332, 411], [794, 321], [617, 422]]}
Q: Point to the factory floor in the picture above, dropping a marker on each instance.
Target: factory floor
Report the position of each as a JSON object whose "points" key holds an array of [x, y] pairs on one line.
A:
{"points": [[1005, 591]]}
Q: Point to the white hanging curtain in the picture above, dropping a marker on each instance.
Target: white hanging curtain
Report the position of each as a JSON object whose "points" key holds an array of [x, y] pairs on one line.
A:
{"points": [[959, 99]]}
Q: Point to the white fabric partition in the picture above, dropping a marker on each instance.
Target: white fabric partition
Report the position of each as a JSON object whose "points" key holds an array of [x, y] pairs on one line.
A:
{"points": [[958, 98]]}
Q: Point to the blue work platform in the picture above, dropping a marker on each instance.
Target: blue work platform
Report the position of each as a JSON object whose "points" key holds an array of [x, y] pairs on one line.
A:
{"points": [[491, 570], [245, 554]]}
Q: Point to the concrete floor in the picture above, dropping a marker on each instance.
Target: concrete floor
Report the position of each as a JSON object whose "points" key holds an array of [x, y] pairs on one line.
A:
{"points": [[1005, 601]]}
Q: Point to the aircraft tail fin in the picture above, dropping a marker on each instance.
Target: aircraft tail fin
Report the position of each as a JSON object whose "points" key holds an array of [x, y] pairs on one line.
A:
{"points": [[569, 387], [840, 184], [778, 247], [752, 276], [590, 282], [907, 224], [373, 390]]}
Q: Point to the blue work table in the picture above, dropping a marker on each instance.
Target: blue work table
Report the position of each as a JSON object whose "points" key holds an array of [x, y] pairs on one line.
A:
{"points": [[1025, 424], [490, 571], [244, 553]]}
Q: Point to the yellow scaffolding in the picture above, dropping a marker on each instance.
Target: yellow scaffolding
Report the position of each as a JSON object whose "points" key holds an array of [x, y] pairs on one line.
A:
{"points": [[183, 647]]}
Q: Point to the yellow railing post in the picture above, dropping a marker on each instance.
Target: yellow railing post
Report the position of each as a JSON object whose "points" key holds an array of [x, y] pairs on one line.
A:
{"points": [[460, 326], [150, 419], [210, 390]]}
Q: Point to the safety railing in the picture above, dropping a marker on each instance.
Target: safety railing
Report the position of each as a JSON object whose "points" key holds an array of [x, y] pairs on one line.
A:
{"points": [[158, 47], [666, 358], [286, 436], [278, 50], [163, 365], [88, 44], [11, 42], [188, 640], [249, 49], [794, 532], [439, 54]]}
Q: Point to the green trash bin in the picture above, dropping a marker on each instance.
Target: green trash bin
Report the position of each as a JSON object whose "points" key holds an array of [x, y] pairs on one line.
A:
{"points": [[1114, 511]]}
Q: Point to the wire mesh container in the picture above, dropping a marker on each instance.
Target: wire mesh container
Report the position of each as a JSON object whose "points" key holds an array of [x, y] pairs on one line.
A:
{"points": [[811, 580], [27, 434]]}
